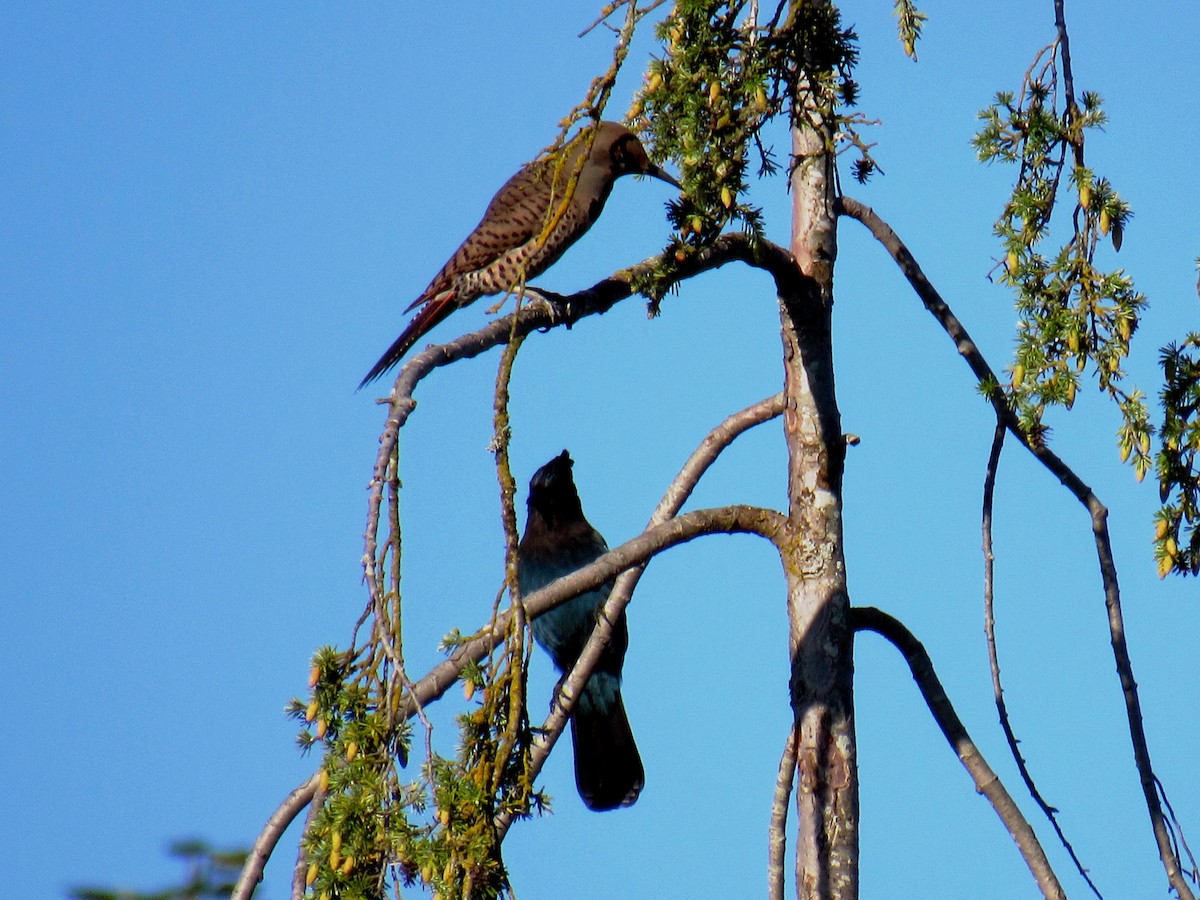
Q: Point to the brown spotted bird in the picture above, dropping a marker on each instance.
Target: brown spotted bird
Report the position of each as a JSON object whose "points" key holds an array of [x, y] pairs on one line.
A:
{"points": [[528, 225]]}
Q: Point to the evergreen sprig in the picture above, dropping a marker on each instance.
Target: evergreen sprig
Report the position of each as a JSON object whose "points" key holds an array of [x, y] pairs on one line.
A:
{"points": [[1176, 535], [1071, 313], [705, 102]]}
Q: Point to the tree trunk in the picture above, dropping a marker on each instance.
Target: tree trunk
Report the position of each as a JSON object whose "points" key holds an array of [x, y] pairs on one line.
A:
{"points": [[821, 639]]}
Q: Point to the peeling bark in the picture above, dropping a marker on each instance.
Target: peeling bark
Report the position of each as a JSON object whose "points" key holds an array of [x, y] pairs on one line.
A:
{"points": [[821, 639]]}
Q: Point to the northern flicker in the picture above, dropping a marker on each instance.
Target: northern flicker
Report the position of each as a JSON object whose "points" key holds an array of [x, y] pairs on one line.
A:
{"points": [[557, 541], [540, 212]]}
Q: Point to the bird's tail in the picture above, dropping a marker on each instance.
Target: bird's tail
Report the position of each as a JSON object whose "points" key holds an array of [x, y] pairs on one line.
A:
{"points": [[438, 307], [608, 769]]}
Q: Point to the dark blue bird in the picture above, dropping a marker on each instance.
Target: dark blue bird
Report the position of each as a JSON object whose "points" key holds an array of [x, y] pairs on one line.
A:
{"points": [[557, 541]]}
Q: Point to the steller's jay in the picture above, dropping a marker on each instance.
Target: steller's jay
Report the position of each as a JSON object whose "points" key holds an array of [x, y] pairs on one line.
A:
{"points": [[557, 541]]}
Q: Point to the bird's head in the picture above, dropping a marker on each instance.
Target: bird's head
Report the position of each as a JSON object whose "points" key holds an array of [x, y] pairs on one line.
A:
{"points": [[619, 149], [552, 491]]}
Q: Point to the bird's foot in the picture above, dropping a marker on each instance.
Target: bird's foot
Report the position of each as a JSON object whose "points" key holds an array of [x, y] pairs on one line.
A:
{"points": [[557, 305]]}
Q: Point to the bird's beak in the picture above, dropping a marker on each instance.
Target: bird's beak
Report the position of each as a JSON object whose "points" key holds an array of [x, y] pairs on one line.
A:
{"points": [[655, 172]]}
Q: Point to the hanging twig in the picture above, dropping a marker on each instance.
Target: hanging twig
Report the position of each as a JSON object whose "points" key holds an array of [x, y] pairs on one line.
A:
{"points": [[516, 659], [989, 628], [777, 833]]}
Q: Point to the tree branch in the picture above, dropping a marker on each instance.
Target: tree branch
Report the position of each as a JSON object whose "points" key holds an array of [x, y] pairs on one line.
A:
{"points": [[529, 317], [720, 520], [777, 833], [986, 781], [1072, 482], [736, 519], [300, 870], [989, 628], [689, 476], [1064, 51], [676, 495], [264, 846]]}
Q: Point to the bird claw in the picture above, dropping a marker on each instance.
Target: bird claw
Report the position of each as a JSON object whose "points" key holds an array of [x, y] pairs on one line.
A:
{"points": [[558, 306]]}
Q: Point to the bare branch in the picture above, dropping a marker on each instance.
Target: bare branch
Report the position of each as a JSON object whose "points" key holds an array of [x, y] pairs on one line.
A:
{"points": [[1072, 482], [680, 489], [693, 470], [720, 520], [300, 871], [777, 833], [1178, 837], [989, 628], [501, 434], [511, 674], [264, 846], [533, 316], [986, 781], [1064, 52]]}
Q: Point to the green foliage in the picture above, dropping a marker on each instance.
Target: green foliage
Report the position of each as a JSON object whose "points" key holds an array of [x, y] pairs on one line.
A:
{"points": [[457, 852], [909, 22], [210, 874], [1071, 313], [705, 102], [361, 813], [373, 827], [1177, 539]]}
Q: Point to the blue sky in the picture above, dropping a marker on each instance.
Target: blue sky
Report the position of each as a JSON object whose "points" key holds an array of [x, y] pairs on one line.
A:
{"points": [[213, 216]]}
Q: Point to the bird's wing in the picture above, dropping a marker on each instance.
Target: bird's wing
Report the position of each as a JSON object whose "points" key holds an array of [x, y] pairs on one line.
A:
{"points": [[514, 217]]}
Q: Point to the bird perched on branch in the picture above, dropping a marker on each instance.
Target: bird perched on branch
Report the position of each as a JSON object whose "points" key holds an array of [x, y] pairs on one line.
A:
{"points": [[532, 220], [557, 541]]}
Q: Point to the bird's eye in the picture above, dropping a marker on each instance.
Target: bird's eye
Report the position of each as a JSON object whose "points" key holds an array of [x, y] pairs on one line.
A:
{"points": [[622, 153]]}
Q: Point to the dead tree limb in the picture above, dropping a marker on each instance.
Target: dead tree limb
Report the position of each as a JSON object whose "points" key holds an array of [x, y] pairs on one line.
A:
{"points": [[867, 618]]}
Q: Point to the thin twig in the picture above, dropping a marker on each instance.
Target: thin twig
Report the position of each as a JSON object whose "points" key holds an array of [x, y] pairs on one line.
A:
{"points": [[502, 434], [612, 7], [566, 311], [515, 660], [986, 781], [693, 470], [777, 833], [300, 870], [1064, 52], [1177, 835], [1084, 494], [989, 627]]}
